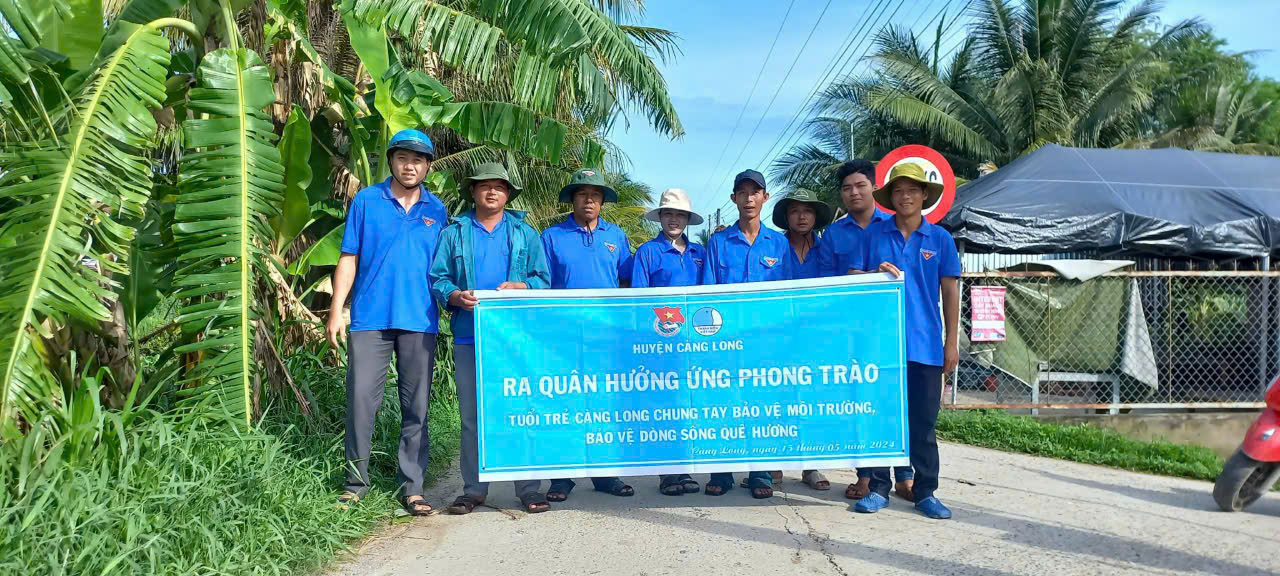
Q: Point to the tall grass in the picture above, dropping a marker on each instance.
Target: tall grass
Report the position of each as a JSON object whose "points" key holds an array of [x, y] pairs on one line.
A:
{"points": [[167, 495]]}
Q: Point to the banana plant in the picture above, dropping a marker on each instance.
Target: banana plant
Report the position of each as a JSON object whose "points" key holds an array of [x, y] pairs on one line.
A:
{"points": [[232, 184], [64, 241]]}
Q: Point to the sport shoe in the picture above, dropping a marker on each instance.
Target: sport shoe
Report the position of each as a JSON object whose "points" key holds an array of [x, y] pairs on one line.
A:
{"points": [[932, 508], [871, 503]]}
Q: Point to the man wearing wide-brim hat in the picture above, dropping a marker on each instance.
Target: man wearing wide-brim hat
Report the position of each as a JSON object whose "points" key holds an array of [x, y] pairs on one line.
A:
{"points": [[586, 252], [801, 214], [485, 248], [925, 257]]}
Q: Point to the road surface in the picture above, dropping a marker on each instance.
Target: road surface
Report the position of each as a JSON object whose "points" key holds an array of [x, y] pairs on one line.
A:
{"points": [[1014, 514]]}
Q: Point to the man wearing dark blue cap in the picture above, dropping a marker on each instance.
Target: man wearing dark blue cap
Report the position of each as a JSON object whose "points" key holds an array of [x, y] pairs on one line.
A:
{"points": [[391, 234], [746, 252]]}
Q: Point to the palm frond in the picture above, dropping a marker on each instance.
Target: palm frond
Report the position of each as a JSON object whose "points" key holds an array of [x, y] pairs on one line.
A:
{"points": [[231, 185], [72, 194]]}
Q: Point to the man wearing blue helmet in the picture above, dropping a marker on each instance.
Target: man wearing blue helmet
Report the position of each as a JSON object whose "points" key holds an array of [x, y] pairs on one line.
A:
{"points": [[391, 234]]}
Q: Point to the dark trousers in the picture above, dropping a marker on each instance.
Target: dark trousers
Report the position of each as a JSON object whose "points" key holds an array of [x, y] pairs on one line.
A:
{"points": [[924, 396], [368, 359], [464, 362]]}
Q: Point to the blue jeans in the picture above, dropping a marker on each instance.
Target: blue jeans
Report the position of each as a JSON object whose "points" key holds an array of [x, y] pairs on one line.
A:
{"points": [[924, 397], [900, 473]]}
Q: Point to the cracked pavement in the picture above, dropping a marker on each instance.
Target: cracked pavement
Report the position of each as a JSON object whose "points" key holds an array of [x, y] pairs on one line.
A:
{"points": [[1014, 514]]}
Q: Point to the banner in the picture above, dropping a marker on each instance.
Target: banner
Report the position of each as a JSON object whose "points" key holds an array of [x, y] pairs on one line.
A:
{"points": [[986, 313], [805, 374]]}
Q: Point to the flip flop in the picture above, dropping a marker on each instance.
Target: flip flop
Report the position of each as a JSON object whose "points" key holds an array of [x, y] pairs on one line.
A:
{"points": [[348, 499], [690, 485], [464, 504], [720, 484], [761, 488], [534, 503], [670, 486], [559, 490], [816, 480], [857, 490], [618, 488]]}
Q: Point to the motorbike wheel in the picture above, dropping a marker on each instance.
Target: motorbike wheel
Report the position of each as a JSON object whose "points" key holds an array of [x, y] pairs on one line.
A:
{"points": [[1242, 482]]}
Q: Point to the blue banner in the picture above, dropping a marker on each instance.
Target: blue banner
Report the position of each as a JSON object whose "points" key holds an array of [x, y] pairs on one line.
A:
{"points": [[805, 374]]}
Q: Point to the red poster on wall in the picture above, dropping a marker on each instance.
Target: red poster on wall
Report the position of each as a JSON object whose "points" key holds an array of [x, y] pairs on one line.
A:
{"points": [[986, 314]]}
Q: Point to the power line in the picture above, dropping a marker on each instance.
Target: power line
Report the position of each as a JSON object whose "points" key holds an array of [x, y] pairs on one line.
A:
{"points": [[754, 84], [781, 83], [841, 53], [864, 36]]}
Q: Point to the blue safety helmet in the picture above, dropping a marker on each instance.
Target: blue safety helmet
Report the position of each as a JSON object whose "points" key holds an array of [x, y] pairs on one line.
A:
{"points": [[413, 140]]}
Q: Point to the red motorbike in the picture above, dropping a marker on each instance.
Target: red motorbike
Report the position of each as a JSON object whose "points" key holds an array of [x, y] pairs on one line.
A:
{"points": [[1255, 467]]}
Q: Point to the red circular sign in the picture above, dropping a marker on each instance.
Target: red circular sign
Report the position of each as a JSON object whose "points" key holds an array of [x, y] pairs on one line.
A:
{"points": [[935, 167]]}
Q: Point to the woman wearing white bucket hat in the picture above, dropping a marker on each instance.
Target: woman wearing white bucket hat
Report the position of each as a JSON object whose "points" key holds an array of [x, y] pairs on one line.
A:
{"points": [[671, 259]]}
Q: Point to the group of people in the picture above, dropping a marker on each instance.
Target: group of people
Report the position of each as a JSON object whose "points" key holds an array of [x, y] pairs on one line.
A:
{"points": [[399, 245]]}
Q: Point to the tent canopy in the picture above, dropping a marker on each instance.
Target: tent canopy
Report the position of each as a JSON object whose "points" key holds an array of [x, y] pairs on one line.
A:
{"points": [[1168, 202]]}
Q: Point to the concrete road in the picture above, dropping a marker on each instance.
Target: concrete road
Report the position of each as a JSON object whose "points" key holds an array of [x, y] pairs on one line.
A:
{"points": [[1013, 515]]}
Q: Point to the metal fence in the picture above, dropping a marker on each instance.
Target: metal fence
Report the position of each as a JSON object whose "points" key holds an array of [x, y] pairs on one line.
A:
{"points": [[1123, 340]]}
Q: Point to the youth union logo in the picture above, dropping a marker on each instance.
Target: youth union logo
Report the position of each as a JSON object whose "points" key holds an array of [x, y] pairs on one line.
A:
{"points": [[669, 320], [707, 321]]}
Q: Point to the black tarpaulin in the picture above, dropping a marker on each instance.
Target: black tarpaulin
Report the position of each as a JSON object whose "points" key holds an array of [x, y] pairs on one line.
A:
{"points": [[1167, 202]]}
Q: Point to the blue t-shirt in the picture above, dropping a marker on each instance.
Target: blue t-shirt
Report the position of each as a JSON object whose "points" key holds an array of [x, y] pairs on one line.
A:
{"points": [[393, 248], [491, 253], [658, 263], [809, 268], [925, 258], [731, 260], [844, 244], [581, 258]]}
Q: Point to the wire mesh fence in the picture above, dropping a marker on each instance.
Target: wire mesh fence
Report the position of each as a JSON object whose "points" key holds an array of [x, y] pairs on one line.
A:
{"points": [[1123, 340]]}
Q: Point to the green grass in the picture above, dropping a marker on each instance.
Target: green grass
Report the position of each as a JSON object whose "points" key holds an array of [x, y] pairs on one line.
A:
{"points": [[172, 496], [1079, 443]]}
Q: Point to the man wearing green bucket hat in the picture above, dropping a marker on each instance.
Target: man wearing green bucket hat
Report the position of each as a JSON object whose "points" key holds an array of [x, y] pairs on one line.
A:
{"points": [[924, 256], [586, 252], [801, 215], [486, 248]]}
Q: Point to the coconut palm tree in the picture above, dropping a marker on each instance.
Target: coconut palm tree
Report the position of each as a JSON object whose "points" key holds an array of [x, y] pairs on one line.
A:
{"points": [[1074, 72]]}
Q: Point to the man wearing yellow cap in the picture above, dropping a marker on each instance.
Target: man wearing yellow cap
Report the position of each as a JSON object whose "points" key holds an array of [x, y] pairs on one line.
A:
{"points": [[924, 256]]}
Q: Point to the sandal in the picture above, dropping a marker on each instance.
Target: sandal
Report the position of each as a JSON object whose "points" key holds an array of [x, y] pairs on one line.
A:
{"points": [[534, 503], [417, 507], [761, 487], [774, 476], [671, 486], [617, 487], [718, 485], [690, 485], [904, 490], [559, 490], [816, 480], [348, 499], [464, 504], [858, 490]]}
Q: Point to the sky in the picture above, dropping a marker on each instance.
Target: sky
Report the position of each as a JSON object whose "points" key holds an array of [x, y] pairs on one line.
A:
{"points": [[724, 45]]}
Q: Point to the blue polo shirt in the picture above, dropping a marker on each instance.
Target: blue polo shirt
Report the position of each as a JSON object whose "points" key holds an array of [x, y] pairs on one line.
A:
{"points": [[925, 258], [491, 256], [658, 263], [731, 260], [393, 248], [844, 245], [809, 268], [581, 258]]}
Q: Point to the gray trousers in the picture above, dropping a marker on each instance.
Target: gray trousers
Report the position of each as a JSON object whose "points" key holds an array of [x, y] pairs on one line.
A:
{"points": [[368, 359], [464, 361]]}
